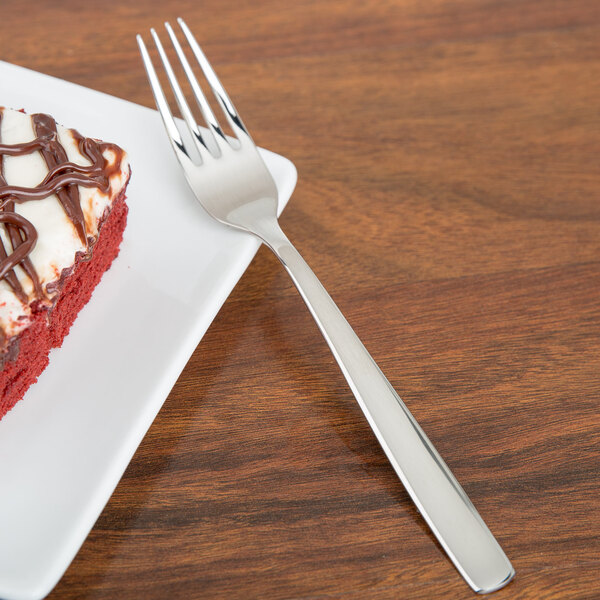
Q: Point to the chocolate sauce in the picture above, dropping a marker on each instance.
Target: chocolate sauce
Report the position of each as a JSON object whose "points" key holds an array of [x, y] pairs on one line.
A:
{"points": [[63, 179]]}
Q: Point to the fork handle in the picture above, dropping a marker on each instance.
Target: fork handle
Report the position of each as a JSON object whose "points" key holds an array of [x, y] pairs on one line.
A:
{"points": [[439, 497]]}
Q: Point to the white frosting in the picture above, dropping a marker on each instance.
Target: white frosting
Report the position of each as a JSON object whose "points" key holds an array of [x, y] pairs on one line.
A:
{"points": [[58, 241]]}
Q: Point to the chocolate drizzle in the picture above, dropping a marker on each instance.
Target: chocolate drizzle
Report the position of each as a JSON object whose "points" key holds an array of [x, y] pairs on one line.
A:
{"points": [[63, 179]]}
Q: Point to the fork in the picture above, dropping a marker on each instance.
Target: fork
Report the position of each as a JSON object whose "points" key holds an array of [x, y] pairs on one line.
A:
{"points": [[233, 184]]}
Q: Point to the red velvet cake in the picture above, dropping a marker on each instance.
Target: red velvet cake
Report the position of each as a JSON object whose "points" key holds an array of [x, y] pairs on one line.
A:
{"points": [[62, 215]]}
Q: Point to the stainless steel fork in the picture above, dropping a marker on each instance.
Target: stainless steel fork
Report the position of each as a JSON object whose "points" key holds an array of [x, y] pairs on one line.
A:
{"points": [[231, 181]]}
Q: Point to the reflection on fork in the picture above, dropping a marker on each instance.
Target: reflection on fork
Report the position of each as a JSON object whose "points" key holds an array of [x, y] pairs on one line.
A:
{"points": [[231, 181]]}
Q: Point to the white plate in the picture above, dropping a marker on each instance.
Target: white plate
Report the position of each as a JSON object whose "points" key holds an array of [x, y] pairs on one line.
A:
{"points": [[64, 447]]}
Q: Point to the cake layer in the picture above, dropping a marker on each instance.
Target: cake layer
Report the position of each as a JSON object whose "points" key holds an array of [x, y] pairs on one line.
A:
{"points": [[48, 331]]}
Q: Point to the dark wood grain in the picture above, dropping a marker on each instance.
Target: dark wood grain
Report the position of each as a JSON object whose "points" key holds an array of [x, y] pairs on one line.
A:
{"points": [[448, 198]]}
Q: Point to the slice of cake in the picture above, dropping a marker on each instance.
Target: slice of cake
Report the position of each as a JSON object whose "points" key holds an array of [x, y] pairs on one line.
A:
{"points": [[62, 215]]}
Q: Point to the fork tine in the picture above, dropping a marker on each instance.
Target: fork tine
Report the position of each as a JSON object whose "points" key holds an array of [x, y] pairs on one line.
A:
{"points": [[161, 101], [207, 113], [218, 90], [199, 142]]}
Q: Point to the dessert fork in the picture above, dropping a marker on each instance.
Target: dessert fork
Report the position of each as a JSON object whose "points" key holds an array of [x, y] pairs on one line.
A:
{"points": [[233, 184]]}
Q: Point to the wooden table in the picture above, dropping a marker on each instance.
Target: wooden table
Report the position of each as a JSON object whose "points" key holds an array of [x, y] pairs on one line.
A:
{"points": [[448, 199]]}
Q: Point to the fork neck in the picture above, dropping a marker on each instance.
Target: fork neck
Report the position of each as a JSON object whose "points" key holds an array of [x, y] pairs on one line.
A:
{"points": [[270, 233], [259, 217]]}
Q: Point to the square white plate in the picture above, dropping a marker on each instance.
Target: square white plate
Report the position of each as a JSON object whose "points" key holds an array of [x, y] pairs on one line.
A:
{"points": [[64, 447]]}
